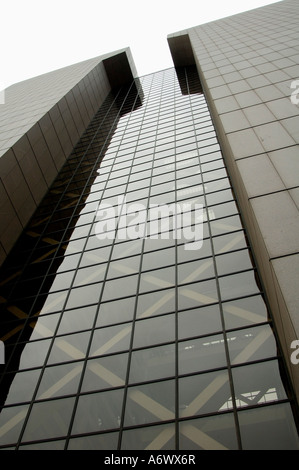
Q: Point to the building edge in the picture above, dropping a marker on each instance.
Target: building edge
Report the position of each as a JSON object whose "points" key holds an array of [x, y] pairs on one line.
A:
{"points": [[31, 164]]}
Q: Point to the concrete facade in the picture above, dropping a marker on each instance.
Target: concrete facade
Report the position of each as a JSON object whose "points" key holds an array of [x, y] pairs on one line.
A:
{"points": [[40, 122], [248, 66]]}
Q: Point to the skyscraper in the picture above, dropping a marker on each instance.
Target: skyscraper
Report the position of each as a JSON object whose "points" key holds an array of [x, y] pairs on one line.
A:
{"points": [[136, 306]]}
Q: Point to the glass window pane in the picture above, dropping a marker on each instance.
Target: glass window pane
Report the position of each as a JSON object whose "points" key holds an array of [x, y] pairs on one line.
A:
{"points": [[104, 372], [243, 312], [158, 259], [196, 271], [251, 344], [233, 241], [201, 354], [213, 433], [85, 295], [49, 419], [98, 411], [150, 438], [116, 311], [238, 285], [45, 326], [156, 303], [198, 294], [199, 322], [204, 393], [91, 274], [257, 384], [124, 267], [151, 364], [107, 441], [69, 347], [100, 255], [233, 262], [22, 386], [34, 354], [218, 197], [225, 225], [11, 423], [154, 331], [60, 380], [111, 339], [47, 445], [268, 428], [190, 255], [150, 403], [160, 278], [127, 248], [77, 319], [118, 288]]}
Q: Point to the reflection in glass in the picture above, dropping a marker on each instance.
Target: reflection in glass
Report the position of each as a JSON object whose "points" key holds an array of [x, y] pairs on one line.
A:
{"points": [[202, 354], [257, 384], [118, 288], [153, 363], [154, 331], [11, 423], [199, 322], [98, 412], [158, 259], [118, 311], [23, 386], [251, 344], [243, 312], [204, 393], [77, 319], [34, 354], [159, 278], [196, 295], [150, 403], [107, 441], [196, 271], [149, 438], [238, 285], [49, 419], [88, 275], [233, 262], [268, 428], [85, 295], [229, 242], [105, 372], [60, 380], [213, 433], [69, 347], [156, 303], [111, 339]]}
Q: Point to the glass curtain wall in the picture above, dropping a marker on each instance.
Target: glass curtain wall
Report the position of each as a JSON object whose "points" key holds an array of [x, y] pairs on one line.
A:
{"points": [[131, 310]]}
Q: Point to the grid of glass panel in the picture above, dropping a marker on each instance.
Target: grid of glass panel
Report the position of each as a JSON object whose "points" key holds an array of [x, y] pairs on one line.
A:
{"points": [[135, 342]]}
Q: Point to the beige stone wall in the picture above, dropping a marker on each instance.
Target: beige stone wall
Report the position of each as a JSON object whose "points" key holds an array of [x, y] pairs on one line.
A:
{"points": [[247, 64]]}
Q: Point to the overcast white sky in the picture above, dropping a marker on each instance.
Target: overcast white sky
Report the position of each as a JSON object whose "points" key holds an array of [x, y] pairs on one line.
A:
{"points": [[38, 36]]}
